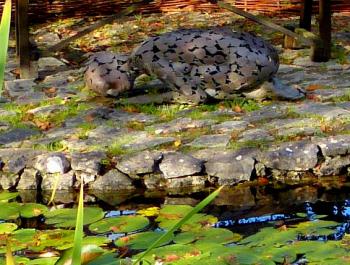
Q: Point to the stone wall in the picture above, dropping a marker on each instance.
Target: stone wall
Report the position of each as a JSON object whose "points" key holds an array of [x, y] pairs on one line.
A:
{"points": [[32, 169]]}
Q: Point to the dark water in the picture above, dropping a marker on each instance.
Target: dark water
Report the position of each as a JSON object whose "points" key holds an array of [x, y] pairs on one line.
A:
{"points": [[241, 201]]}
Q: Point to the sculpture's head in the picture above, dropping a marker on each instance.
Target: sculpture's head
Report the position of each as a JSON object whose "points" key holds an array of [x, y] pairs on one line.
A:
{"points": [[108, 73]]}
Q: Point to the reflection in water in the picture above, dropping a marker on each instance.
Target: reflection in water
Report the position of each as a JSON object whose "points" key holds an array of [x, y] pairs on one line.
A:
{"points": [[235, 206]]}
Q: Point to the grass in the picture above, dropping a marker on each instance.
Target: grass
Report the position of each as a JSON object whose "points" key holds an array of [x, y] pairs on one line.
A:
{"points": [[4, 36], [9, 257], [343, 98], [169, 112], [117, 147], [260, 144], [79, 233], [16, 119], [70, 109], [243, 104], [164, 112], [340, 54]]}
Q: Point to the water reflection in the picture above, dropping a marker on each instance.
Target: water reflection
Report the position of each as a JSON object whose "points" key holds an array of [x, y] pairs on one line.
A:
{"points": [[241, 201]]}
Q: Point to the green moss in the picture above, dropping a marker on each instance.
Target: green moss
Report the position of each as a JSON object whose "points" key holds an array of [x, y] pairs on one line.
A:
{"points": [[53, 146], [135, 125], [84, 129], [291, 113], [340, 54], [260, 144], [191, 134], [105, 162]]}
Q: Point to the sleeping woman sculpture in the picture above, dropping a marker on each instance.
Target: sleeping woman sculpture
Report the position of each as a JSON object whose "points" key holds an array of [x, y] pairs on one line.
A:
{"points": [[199, 64]]}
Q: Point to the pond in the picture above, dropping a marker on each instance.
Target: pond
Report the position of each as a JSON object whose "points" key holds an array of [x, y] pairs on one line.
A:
{"points": [[264, 223]]}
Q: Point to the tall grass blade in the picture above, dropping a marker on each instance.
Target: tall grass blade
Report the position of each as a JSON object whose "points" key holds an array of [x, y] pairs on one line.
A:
{"points": [[78, 235], [195, 210], [4, 37], [9, 257], [55, 185]]}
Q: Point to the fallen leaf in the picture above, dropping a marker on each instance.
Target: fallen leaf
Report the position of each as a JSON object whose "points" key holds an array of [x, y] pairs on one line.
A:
{"points": [[263, 181], [177, 143], [89, 118], [312, 97], [43, 125], [313, 87], [237, 109], [283, 228]]}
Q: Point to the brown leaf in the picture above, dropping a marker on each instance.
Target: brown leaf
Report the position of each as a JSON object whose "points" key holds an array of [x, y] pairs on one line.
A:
{"points": [[43, 125], [313, 87], [50, 91], [89, 118], [237, 109]]}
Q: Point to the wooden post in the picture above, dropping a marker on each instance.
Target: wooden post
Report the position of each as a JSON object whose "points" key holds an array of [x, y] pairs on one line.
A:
{"points": [[306, 14], [265, 22], [22, 38], [322, 48]]}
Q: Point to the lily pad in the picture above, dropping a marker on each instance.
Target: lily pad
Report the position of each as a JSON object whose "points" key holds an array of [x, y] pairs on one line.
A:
{"points": [[169, 215], [270, 236], [29, 210], [107, 259], [318, 227], [18, 260], [52, 238], [142, 240], [171, 254], [5, 196], [67, 217], [7, 228], [120, 224], [24, 235], [9, 211], [88, 253], [209, 235], [43, 261], [330, 252], [89, 240]]}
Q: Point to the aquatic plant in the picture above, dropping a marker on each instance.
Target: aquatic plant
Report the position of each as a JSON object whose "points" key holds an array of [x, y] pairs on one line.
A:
{"points": [[79, 233], [177, 225]]}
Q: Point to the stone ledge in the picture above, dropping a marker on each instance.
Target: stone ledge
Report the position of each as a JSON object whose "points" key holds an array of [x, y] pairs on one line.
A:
{"points": [[31, 169]]}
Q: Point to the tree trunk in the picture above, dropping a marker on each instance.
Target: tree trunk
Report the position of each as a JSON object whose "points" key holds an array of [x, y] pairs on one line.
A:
{"points": [[306, 14], [22, 38], [322, 48]]}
